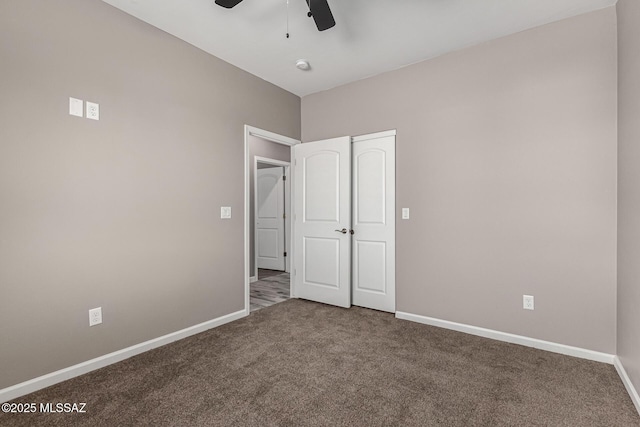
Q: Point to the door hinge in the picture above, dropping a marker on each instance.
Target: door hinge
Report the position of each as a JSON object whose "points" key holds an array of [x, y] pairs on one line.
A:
{"points": [[284, 216], [284, 177], [285, 254]]}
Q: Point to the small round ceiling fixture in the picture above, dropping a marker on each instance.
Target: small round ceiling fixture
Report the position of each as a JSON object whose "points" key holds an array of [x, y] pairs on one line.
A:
{"points": [[303, 64]]}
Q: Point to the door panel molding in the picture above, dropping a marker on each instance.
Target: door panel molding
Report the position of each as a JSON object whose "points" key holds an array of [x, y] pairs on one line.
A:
{"points": [[369, 208], [370, 276], [326, 163]]}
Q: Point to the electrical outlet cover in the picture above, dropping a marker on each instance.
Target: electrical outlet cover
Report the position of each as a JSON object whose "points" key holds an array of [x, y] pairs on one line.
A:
{"points": [[93, 111], [95, 316], [527, 302]]}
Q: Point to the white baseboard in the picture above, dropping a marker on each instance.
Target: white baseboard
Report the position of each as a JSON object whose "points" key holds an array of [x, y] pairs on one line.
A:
{"points": [[252, 279], [633, 393], [511, 338], [47, 380]]}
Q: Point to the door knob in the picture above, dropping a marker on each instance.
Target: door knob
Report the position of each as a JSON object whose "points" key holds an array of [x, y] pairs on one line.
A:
{"points": [[343, 231]]}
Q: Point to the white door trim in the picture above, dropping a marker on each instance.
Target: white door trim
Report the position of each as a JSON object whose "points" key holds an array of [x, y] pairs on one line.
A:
{"points": [[279, 139], [375, 135], [287, 209]]}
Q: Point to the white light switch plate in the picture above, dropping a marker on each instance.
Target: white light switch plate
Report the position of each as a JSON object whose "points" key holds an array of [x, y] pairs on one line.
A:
{"points": [[75, 107], [405, 213], [225, 212], [93, 111]]}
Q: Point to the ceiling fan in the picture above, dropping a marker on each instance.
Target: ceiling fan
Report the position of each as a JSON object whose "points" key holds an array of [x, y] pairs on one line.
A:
{"points": [[318, 9]]}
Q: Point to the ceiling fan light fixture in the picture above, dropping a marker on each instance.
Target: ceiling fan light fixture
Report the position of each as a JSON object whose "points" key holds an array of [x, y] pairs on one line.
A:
{"points": [[303, 64]]}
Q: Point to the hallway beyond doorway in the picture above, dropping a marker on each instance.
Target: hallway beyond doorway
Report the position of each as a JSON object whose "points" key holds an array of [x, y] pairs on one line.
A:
{"points": [[271, 288]]}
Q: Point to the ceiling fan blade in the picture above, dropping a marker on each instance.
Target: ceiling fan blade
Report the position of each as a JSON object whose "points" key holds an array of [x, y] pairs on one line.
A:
{"points": [[321, 14], [227, 3]]}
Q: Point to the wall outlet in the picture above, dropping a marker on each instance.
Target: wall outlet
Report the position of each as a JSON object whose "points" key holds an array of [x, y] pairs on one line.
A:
{"points": [[225, 212], [95, 316], [527, 302], [405, 213], [93, 111]]}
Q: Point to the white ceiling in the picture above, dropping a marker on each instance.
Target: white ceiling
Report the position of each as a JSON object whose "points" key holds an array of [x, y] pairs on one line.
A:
{"points": [[370, 36]]}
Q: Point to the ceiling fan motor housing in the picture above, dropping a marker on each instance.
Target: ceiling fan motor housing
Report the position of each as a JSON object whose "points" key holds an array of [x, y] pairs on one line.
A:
{"points": [[318, 9]]}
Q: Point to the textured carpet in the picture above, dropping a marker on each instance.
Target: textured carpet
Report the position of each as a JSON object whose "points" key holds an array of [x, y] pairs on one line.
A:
{"points": [[299, 363]]}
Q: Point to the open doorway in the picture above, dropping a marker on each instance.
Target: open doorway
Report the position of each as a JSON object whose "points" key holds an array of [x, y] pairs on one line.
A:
{"points": [[268, 233]]}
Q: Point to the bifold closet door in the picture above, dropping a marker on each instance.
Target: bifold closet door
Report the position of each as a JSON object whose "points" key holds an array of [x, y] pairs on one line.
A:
{"points": [[322, 219], [373, 241]]}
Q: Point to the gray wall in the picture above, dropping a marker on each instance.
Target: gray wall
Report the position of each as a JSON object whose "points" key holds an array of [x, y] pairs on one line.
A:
{"points": [[123, 213], [506, 155], [271, 150], [629, 188]]}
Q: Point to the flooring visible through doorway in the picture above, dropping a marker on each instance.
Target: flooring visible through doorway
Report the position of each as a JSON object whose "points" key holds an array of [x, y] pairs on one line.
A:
{"points": [[271, 288]]}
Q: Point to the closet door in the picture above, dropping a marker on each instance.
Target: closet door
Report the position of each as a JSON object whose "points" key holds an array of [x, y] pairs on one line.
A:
{"points": [[322, 218], [373, 260]]}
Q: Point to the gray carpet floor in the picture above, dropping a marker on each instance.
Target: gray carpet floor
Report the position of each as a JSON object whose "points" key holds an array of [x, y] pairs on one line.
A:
{"points": [[299, 363]]}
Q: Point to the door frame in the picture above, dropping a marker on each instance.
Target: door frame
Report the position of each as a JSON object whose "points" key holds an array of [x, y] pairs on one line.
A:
{"points": [[278, 139], [286, 166]]}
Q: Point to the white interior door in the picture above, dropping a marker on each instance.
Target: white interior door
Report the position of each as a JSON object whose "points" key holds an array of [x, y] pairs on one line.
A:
{"points": [[269, 239], [373, 262], [322, 219]]}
